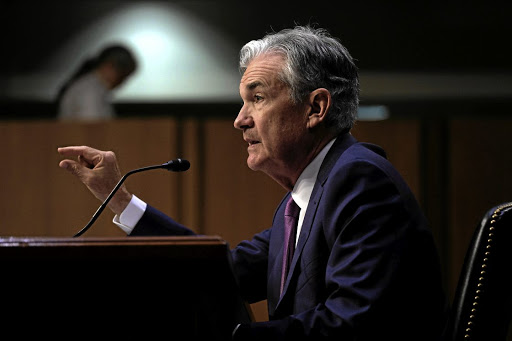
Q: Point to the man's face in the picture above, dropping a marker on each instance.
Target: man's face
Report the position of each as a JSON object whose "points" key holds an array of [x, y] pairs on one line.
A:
{"points": [[272, 125]]}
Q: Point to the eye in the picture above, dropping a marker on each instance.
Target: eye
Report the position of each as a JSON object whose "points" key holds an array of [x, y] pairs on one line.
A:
{"points": [[258, 98]]}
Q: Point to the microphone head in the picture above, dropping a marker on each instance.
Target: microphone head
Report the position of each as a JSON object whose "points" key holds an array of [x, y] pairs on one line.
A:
{"points": [[177, 165]]}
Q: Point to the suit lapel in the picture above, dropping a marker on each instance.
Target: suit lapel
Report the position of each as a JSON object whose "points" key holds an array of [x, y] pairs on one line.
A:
{"points": [[275, 256], [339, 146]]}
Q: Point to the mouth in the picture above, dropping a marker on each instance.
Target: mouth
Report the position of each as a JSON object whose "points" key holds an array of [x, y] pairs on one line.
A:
{"points": [[251, 142]]}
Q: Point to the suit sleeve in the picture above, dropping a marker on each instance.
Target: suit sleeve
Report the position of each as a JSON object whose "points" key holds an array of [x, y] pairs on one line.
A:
{"points": [[155, 223], [250, 261]]}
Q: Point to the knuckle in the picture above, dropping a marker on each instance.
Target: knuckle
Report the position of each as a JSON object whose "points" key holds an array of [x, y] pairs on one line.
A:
{"points": [[110, 156]]}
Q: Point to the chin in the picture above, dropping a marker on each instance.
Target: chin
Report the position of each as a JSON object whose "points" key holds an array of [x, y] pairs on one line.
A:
{"points": [[253, 164]]}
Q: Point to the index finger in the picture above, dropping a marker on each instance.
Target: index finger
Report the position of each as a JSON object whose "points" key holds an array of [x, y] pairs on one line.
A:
{"points": [[77, 151]]}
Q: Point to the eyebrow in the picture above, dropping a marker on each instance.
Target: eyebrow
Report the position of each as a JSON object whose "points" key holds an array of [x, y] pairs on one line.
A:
{"points": [[253, 85]]}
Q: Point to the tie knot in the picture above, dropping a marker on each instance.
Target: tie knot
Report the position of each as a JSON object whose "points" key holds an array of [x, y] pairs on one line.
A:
{"points": [[292, 209]]}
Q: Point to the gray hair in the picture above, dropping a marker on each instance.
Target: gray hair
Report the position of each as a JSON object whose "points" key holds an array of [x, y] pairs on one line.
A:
{"points": [[314, 59]]}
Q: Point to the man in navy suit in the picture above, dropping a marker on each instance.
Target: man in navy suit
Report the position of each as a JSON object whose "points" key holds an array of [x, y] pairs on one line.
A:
{"points": [[365, 265]]}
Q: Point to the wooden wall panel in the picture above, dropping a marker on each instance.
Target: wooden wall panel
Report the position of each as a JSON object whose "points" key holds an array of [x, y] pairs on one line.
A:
{"points": [[191, 201], [401, 139], [40, 199], [239, 202], [480, 178], [218, 195], [26, 178]]}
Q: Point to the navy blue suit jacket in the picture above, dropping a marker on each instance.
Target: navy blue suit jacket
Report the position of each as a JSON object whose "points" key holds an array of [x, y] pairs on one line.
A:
{"points": [[365, 267]]}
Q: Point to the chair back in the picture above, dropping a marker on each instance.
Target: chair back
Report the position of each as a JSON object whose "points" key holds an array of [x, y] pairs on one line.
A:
{"points": [[482, 305]]}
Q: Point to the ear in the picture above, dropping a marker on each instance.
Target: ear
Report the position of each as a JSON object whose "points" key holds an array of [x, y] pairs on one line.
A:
{"points": [[318, 105]]}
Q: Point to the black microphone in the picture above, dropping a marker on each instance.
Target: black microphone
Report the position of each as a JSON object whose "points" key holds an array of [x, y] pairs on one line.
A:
{"points": [[177, 165]]}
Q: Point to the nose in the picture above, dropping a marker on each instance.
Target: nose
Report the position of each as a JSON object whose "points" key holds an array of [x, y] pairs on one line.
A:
{"points": [[243, 120]]}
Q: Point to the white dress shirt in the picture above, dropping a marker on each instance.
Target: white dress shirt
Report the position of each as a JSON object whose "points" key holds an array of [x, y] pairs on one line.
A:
{"points": [[304, 186]]}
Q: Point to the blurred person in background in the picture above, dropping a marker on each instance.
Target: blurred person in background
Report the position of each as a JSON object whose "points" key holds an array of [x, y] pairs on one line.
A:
{"points": [[86, 95]]}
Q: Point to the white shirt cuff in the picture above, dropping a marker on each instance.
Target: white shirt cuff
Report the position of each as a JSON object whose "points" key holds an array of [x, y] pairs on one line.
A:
{"points": [[131, 215]]}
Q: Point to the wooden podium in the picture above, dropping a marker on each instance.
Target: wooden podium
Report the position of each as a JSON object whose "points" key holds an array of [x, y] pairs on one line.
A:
{"points": [[180, 288]]}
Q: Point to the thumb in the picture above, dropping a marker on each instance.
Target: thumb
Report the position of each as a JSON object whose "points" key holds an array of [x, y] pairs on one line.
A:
{"points": [[70, 165]]}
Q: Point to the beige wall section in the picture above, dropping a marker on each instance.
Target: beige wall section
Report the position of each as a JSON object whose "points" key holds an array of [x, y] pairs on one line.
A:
{"points": [[40, 199], [218, 195]]}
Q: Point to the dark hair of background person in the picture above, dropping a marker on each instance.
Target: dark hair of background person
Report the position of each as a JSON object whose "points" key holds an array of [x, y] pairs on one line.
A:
{"points": [[121, 57]]}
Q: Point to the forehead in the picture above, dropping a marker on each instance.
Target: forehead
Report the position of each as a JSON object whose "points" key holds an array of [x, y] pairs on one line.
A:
{"points": [[262, 71]]}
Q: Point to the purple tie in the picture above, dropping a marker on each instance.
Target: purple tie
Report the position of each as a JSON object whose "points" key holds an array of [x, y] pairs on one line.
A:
{"points": [[291, 216]]}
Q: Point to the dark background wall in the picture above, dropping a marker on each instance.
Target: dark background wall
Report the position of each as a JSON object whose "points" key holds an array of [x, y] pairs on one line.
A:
{"points": [[413, 56], [396, 35]]}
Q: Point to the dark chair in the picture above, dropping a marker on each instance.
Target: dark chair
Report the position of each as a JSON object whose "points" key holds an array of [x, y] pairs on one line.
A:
{"points": [[482, 305]]}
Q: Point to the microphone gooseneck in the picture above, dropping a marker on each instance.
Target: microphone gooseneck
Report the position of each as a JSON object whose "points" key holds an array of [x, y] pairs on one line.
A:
{"points": [[177, 165]]}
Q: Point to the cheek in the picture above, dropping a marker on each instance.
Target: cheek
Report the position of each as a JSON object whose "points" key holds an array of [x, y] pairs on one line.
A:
{"points": [[280, 129], [272, 133], [279, 143]]}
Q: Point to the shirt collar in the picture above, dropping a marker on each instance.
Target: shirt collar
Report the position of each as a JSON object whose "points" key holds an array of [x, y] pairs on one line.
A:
{"points": [[304, 185]]}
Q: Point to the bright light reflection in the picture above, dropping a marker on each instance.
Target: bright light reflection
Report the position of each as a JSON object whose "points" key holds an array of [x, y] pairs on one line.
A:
{"points": [[151, 43], [180, 58]]}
